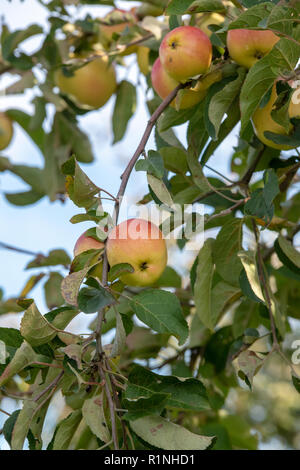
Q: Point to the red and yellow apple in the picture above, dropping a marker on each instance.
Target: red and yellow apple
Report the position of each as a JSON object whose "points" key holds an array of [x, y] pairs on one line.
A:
{"points": [[141, 244], [185, 52], [163, 84], [90, 85], [263, 121], [247, 46], [85, 243], [6, 131]]}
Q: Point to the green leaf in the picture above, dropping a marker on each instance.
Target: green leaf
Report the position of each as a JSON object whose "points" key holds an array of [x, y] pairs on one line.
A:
{"points": [[249, 364], [91, 299], [23, 198], [160, 190], [295, 380], [222, 296], [249, 262], [12, 40], [24, 120], [252, 17], [240, 432], [54, 258], [69, 134], [161, 311], [120, 337], [203, 284], [169, 278], [178, 7], [138, 408], [199, 6], [35, 328], [79, 186], [185, 394], [53, 290], [220, 102], [197, 172], [94, 417], [23, 357], [287, 254], [226, 247], [153, 164], [174, 159], [164, 434], [246, 287], [171, 118], [32, 416], [66, 430], [118, 269], [124, 109], [261, 77], [71, 284], [9, 426], [261, 201]]}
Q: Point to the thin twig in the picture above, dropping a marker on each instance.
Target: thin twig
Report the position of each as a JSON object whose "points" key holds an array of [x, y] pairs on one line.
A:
{"points": [[227, 211], [111, 408], [19, 250], [5, 412], [52, 385]]}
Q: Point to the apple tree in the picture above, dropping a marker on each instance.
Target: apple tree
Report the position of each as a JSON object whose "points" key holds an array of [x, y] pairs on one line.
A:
{"points": [[165, 353]]}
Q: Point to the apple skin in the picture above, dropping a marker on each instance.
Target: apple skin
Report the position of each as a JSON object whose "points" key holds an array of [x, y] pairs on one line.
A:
{"points": [[141, 244], [185, 52], [163, 84], [6, 131], [85, 243], [247, 46], [91, 85], [262, 121]]}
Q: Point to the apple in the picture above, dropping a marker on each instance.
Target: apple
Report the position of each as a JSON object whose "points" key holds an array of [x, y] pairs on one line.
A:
{"points": [[141, 244], [85, 243], [247, 46], [115, 22], [90, 85], [185, 52], [163, 84], [6, 131], [263, 121], [204, 20]]}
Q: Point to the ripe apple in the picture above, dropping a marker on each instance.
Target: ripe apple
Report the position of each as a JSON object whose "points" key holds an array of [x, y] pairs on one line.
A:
{"points": [[263, 121], [91, 85], [247, 46], [141, 244], [115, 22], [185, 52], [85, 243], [203, 20], [163, 84], [6, 131]]}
